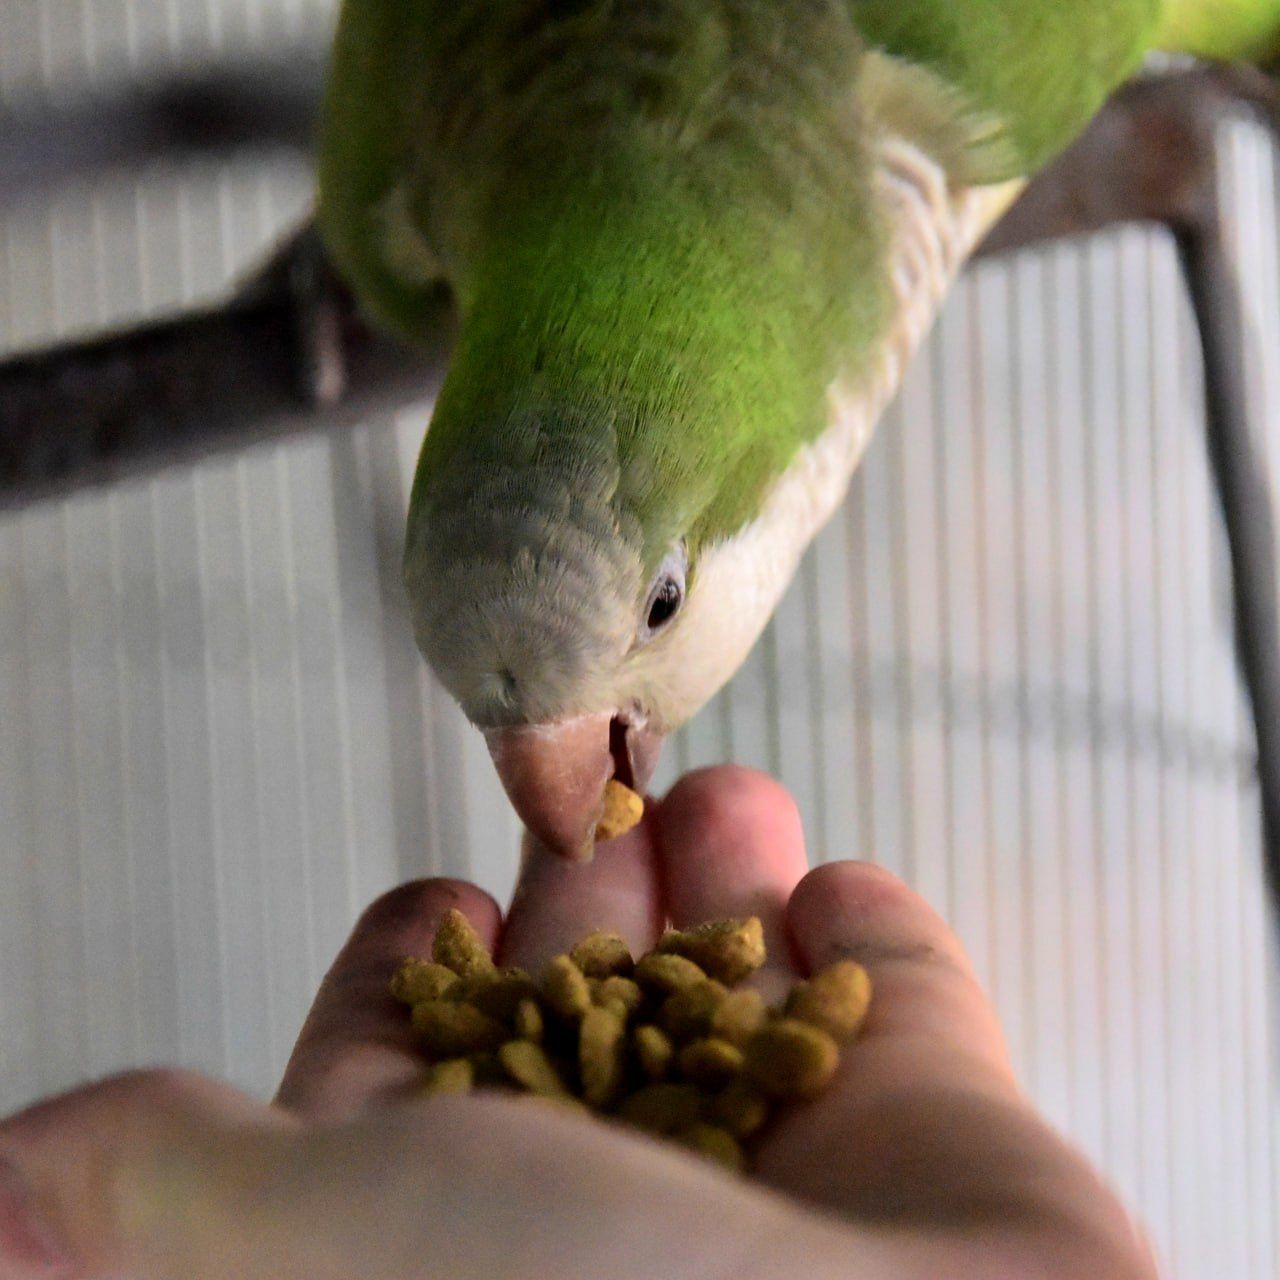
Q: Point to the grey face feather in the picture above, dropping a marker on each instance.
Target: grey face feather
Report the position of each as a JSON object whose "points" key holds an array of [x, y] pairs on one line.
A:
{"points": [[523, 571]]}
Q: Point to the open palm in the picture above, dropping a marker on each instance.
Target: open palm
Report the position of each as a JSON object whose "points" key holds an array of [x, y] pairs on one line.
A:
{"points": [[923, 1160]]}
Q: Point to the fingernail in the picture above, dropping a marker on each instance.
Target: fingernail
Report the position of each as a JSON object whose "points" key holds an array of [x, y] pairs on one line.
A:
{"points": [[29, 1247]]}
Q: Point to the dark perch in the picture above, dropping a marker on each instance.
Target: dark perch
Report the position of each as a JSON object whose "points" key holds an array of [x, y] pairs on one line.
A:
{"points": [[1240, 477], [253, 105], [289, 353]]}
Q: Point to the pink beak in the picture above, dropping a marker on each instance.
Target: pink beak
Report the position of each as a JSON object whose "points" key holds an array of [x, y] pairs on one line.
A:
{"points": [[554, 774]]}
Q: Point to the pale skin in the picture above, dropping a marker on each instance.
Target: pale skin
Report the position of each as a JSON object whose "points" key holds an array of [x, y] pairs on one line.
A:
{"points": [[924, 1161]]}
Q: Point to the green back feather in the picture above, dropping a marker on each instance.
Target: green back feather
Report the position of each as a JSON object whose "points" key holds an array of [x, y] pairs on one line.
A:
{"points": [[673, 230], [1043, 67], [659, 213], [1238, 30], [365, 150]]}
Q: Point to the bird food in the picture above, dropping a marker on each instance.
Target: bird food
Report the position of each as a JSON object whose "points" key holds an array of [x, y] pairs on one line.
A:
{"points": [[672, 1043], [623, 809]]}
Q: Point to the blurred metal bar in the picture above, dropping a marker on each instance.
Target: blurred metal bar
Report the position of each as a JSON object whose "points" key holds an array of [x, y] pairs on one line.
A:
{"points": [[1240, 478], [254, 104]]}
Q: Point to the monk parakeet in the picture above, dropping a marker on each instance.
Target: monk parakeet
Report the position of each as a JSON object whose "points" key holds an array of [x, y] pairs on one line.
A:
{"points": [[693, 244]]}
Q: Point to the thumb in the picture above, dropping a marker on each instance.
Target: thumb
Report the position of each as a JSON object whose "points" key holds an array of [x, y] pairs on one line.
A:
{"points": [[925, 1126], [163, 1176], [88, 1179], [929, 1017]]}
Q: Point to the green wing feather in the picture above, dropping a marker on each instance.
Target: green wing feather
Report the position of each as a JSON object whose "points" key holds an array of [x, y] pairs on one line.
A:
{"points": [[1232, 30], [365, 151], [659, 215], [1041, 67]]}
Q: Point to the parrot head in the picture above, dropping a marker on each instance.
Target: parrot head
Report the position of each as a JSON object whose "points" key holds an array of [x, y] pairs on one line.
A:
{"points": [[692, 247], [574, 635], [656, 292]]}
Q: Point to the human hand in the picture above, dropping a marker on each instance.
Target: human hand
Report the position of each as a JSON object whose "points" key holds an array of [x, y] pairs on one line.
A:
{"points": [[923, 1160]]}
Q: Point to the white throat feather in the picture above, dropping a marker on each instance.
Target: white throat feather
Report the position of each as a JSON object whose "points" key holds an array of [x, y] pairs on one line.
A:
{"points": [[935, 225]]}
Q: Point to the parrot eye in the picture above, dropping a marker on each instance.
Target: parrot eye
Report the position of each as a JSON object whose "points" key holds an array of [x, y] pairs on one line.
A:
{"points": [[664, 604], [666, 595]]}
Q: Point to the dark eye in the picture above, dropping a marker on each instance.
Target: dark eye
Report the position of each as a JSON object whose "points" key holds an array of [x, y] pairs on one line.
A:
{"points": [[665, 596], [664, 603]]}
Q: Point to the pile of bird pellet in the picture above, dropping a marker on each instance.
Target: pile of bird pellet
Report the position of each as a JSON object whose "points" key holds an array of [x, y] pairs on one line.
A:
{"points": [[671, 1043]]}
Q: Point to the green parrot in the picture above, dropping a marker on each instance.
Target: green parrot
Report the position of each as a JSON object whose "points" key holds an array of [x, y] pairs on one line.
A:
{"points": [[693, 244]]}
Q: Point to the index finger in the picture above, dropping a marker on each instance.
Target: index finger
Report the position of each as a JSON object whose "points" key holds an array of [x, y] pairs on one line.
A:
{"points": [[927, 1003], [357, 1045], [732, 845], [557, 903]]}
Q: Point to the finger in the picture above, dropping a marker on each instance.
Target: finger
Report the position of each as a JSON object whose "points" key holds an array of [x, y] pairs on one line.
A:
{"points": [[926, 1088], [731, 845], [81, 1157], [924, 1126], [927, 1003], [29, 1246], [357, 1045], [557, 903]]}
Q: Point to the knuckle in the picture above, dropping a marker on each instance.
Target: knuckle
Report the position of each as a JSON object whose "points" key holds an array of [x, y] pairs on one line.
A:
{"points": [[410, 902], [878, 955], [152, 1089]]}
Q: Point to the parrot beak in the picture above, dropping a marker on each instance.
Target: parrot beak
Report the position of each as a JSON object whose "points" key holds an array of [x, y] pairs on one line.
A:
{"points": [[554, 774]]}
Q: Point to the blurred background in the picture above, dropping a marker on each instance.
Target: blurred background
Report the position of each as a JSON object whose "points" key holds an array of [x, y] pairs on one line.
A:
{"points": [[1005, 670]]}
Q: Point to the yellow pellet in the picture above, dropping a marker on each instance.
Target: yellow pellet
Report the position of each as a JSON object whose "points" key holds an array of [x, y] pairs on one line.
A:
{"points": [[418, 980], [654, 1051], [603, 955], [454, 1075], [528, 1020], [741, 1108], [728, 950], [687, 1014], [715, 1143], [791, 1059], [458, 946], [623, 809], [711, 1062], [740, 1015], [836, 999], [497, 992], [621, 993], [451, 1030], [601, 1056], [667, 974], [565, 988], [528, 1065]]}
